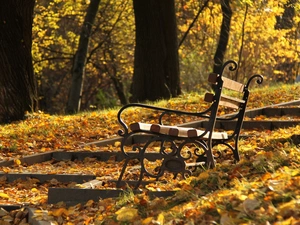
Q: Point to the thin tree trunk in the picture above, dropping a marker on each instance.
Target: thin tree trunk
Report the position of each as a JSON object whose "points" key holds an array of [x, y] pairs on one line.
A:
{"points": [[78, 71], [194, 21], [224, 36], [242, 43], [112, 72], [18, 92]]}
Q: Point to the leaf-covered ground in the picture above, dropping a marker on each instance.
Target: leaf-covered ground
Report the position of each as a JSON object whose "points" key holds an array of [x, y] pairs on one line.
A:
{"points": [[263, 188], [42, 132]]}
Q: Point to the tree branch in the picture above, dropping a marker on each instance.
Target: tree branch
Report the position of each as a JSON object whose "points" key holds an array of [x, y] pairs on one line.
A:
{"points": [[192, 24]]}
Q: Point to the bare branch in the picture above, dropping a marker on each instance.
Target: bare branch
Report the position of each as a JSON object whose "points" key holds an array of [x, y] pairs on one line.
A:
{"points": [[192, 24]]}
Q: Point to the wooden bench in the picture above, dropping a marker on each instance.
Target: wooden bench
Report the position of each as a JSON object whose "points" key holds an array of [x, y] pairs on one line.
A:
{"points": [[180, 147]]}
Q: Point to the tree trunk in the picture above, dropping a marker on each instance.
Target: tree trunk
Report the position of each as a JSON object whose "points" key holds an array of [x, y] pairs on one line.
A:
{"points": [[78, 71], [117, 83], [286, 20], [156, 64], [17, 82], [224, 36]]}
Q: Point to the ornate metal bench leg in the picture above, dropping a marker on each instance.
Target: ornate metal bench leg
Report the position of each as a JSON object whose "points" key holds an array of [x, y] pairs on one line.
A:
{"points": [[236, 151], [122, 173], [207, 156], [139, 180], [210, 157]]}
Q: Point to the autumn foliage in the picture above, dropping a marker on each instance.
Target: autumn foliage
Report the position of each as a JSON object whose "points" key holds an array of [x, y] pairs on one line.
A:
{"points": [[255, 43]]}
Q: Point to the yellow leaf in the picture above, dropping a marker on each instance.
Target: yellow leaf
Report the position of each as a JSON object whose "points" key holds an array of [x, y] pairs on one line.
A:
{"points": [[17, 162], [243, 197], [3, 195], [117, 144], [87, 221], [99, 219], [6, 169], [60, 212], [147, 221], [34, 190], [126, 214], [89, 203], [160, 219], [203, 176], [29, 144]]}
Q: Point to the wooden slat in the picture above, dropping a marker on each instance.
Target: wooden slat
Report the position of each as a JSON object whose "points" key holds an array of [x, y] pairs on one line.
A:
{"points": [[165, 129], [228, 98], [233, 105], [232, 85], [225, 100], [140, 126], [176, 131], [230, 101], [227, 83], [219, 135], [187, 132]]}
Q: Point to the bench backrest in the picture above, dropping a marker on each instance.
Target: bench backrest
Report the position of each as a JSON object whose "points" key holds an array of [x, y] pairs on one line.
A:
{"points": [[238, 90]]}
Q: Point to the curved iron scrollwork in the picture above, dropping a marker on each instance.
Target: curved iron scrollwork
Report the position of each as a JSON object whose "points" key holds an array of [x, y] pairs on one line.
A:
{"points": [[173, 158], [259, 79], [233, 65]]}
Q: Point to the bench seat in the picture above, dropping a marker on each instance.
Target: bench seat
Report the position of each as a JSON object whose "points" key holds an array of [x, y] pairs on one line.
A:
{"points": [[176, 131]]}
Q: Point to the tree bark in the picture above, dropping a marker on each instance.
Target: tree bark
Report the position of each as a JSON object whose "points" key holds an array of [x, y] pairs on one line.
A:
{"points": [[18, 92], [286, 20], [78, 71], [156, 64], [224, 36]]}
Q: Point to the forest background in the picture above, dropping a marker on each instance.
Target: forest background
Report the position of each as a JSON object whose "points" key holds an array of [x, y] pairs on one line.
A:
{"points": [[264, 38]]}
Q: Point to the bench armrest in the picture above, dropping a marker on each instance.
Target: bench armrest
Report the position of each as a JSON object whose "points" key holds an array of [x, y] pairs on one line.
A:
{"points": [[161, 114]]}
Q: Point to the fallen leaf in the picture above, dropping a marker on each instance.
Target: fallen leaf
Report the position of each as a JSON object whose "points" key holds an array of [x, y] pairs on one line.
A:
{"points": [[60, 212], [117, 144], [3, 195], [250, 204], [161, 219], [126, 214], [147, 221], [17, 162], [226, 220]]}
